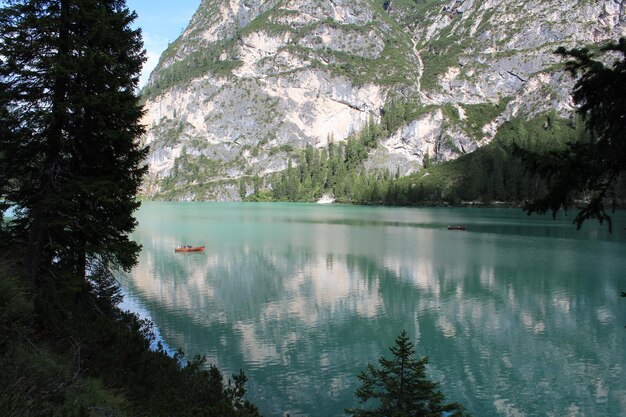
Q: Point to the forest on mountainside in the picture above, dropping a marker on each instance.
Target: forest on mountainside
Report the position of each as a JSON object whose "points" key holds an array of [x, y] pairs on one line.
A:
{"points": [[544, 164], [493, 175]]}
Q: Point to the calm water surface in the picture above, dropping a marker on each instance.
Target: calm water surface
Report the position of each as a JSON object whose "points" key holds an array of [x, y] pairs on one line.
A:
{"points": [[520, 316]]}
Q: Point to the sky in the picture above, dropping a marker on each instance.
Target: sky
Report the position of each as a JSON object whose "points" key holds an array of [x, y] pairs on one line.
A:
{"points": [[161, 22]]}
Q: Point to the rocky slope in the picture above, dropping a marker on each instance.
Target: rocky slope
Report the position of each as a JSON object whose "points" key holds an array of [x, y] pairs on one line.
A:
{"points": [[250, 82]]}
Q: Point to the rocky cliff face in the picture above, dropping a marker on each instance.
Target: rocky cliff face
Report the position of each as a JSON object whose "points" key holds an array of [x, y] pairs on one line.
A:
{"points": [[251, 81]]}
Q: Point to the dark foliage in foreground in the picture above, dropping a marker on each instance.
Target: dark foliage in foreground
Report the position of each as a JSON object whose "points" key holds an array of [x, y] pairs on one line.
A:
{"points": [[94, 358], [592, 168], [70, 166]]}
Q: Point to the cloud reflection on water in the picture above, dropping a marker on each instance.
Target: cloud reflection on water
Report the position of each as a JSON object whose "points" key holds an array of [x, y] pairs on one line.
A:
{"points": [[515, 319]]}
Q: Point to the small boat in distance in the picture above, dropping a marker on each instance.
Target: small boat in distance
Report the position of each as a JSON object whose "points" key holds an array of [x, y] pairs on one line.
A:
{"points": [[187, 248], [457, 227]]}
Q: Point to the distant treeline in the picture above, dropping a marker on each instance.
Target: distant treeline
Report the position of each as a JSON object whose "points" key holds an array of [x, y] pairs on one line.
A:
{"points": [[493, 173], [334, 169]]}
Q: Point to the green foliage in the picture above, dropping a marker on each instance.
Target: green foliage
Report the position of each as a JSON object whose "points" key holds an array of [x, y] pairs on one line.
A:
{"points": [[16, 310], [74, 160], [286, 148], [35, 378], [331, 170], [409, 11], [261, 196], [591, 168], [390, 68], [493, 173], [199, 62], [98, 361], [265, 23], [439, 55], [399, 112], [394, 115], [399, 387], [191, 169], [478, 115]]}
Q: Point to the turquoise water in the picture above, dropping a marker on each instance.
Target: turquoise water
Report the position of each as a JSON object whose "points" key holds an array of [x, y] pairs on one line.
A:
{"points": [[520, 316]]}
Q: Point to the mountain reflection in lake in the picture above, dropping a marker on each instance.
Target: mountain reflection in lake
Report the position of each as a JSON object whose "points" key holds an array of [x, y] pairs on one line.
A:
{"points": [[520, 316]]}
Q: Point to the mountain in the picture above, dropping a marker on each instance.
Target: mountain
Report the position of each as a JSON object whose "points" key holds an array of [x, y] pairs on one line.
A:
{"points": [[249, 83]]}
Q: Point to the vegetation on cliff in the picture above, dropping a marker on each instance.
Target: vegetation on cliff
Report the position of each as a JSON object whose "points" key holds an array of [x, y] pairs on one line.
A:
{"points": [[493, 173], [546, 164], [249, 84]]}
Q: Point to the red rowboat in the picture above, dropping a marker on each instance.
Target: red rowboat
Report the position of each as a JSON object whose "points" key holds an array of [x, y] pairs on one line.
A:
{"points": [[188, 248]]}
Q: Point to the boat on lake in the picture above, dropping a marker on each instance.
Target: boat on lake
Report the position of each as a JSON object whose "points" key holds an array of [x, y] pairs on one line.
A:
{"points": [[187, 248], [457, 227]]}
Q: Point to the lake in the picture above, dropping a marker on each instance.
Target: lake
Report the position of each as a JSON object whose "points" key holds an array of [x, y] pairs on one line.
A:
{"points": [[520, 316]]}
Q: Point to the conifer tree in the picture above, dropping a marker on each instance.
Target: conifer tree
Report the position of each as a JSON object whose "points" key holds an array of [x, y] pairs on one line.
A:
{"points": [[589, 167], [399, 387], [69, 71]]}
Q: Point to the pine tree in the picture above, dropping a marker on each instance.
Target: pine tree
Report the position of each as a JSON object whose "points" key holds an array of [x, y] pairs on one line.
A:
{"points": [[292, 182], [69, 72], [399, 387]]}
